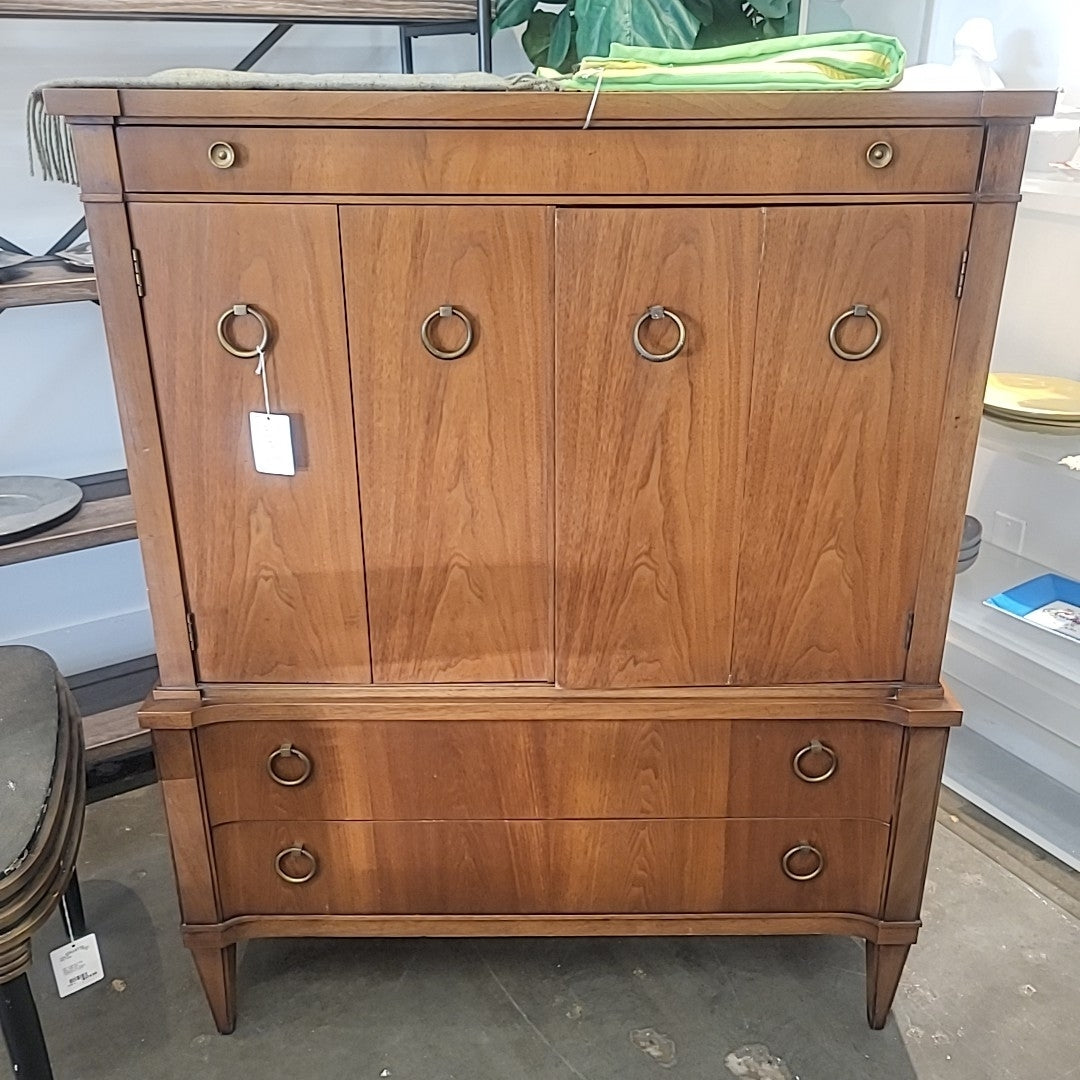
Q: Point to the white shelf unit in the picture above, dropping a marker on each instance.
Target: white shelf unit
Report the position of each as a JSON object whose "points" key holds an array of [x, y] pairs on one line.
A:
{"points": [[1057, 450], [1051, 195], [1016, 793], [1018, 754]]}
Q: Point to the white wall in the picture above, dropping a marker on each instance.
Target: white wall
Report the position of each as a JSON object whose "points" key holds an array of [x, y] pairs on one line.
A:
{"points": [[1038, 41], [57, 412], [905, 21]]}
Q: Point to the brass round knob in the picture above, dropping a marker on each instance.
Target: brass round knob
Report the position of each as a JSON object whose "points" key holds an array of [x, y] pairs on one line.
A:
{"points": [[446, 311], [858, 311], [221, 155], [879, 154], [300, 852], [800, 849], [658, 311], [282, 753], [816, 747]]}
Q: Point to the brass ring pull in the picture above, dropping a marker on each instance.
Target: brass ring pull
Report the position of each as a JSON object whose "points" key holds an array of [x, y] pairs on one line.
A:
{"points": [[288, 750], [658, 311], [299, 850], [446, 311], [879, 154], [785, 862], [816, 747], [221, 155], [234, 313], [859, 311]]}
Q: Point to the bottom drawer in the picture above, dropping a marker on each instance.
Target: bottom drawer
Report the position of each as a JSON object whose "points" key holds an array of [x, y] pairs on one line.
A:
{"points": [[549, 867]]}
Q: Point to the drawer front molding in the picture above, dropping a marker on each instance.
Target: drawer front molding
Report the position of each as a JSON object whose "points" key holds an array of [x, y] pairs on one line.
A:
{"points": [[545, 162], [549, 867], [495, 769]]}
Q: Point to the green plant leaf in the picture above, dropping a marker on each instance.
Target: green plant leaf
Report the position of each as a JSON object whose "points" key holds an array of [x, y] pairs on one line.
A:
{"points": [[783, 26], [537, 37], [512, 12], [659, 23], [702, 10], [560, 39], [730, 26]]}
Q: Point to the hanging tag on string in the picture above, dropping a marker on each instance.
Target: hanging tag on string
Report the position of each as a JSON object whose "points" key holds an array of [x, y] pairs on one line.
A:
{"points": [[271, 434], [77, 964]]}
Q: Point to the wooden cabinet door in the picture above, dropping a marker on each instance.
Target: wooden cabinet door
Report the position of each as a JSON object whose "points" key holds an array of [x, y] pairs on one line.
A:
{"points": [[841, 453], [454, 453], [272, 565], [649, 455]]}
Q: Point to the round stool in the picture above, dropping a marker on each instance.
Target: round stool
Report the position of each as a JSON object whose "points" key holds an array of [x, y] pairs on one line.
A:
{"points": [[42, 799]]}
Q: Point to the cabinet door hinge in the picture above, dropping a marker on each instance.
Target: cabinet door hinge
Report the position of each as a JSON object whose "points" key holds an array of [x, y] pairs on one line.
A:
{"points": [[136, 261], [908, 629], [963, 274], [191, 630]]}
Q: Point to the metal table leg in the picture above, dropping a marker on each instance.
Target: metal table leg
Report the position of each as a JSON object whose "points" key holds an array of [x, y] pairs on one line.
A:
{"points": [[71, 910], [22, 1031]]}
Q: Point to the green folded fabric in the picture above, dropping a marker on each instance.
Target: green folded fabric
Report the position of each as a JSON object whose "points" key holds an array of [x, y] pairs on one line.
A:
{"points": [[844, 60]]}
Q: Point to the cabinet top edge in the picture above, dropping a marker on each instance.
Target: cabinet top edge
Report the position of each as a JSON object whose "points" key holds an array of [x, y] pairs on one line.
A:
{"points": [[528, 108]]}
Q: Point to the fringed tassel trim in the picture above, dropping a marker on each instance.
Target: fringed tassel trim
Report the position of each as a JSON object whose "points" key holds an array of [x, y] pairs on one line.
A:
{"points": [[48, 142]]}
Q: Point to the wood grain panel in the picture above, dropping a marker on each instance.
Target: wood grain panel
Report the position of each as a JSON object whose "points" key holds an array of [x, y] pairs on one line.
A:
{"points": [[840, 453], [976, 324], [551, 867], [225, 703], [582, 199], [95, 157], [143, 452], [1003, 158], [649, 457], [455, 456], [447, 770], [924, 760], [272, 564], [246, 927], [189, 838], [543, 161]]}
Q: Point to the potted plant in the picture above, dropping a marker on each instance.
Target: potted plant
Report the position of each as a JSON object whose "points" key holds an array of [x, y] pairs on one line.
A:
{"points": [[558, 35]]}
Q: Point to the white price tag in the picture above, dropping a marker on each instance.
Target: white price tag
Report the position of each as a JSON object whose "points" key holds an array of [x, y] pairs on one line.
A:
{"points": [[77, 964], [271, 443]]}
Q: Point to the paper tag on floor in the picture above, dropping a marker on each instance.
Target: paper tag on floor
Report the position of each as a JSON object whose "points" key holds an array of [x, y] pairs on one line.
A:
{"points": [[271, 443], [77, 964]]}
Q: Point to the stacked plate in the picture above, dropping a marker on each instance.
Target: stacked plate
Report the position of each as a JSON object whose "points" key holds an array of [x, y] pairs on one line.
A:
{"points": [[1044, 401], [31, 504], [969, 543]]}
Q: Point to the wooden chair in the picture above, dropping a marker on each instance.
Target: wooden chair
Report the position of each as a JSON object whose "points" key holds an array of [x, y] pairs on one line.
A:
{"points": [[42, 799], [413, 19]]}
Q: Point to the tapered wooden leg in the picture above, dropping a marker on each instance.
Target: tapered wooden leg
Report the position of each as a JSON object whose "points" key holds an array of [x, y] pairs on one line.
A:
{"points": [[217, 972], [884, 966]]}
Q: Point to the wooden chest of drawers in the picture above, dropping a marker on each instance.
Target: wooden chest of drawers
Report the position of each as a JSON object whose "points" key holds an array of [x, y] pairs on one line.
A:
{"points": [[609, 592]]}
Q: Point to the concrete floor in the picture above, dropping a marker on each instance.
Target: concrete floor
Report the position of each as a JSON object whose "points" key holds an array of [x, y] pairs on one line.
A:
{"points": [[993, 992]]}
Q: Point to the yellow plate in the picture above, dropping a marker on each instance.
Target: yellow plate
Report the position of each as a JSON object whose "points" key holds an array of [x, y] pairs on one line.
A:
{"points": [[1044, 397], [1026, 423]]}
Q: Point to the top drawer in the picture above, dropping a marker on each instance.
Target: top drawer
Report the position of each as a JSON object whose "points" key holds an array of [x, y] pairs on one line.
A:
{"points": [[652, 162], [461, 770]]}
